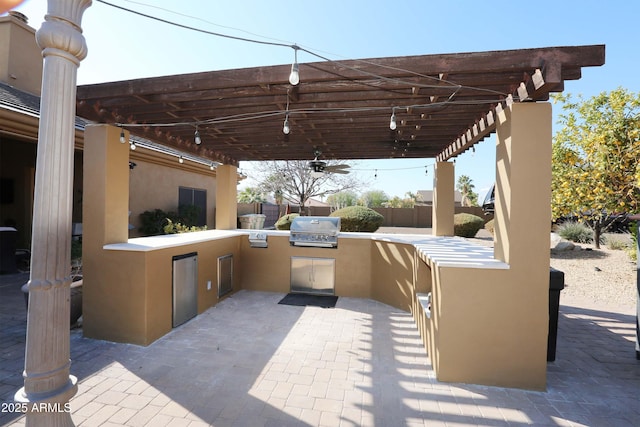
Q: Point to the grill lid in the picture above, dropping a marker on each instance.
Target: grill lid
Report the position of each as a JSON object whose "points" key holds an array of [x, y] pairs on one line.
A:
{"points": [[315, 231], [316, 225]]}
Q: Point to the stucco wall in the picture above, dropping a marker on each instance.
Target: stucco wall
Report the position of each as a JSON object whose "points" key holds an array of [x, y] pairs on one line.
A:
{"points": [[155, 186], [268, 269]]}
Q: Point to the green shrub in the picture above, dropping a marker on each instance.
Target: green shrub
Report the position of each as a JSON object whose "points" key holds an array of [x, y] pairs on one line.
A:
{"points": [[358, 218], [156, 221], [575, 232], [489, 227], [284, 222], [466, 225], [153, 222], [176, 227]]}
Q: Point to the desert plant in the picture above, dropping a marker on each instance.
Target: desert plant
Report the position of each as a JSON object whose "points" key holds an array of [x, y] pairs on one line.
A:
{"points": [[489, 226], [284, 222], [618, 242], [633, 249], [466, 225], [176, 227], [575, 232], [358, 218]]}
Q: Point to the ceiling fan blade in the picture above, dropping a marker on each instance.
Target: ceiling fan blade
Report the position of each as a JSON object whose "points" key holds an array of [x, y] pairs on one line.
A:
{"points": [[340, 171], [337, 167]]}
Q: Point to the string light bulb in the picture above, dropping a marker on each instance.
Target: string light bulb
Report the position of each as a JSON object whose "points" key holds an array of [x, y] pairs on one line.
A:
{"points": [[196, 137], [211, 166], [122, 138], [392, 123], [285, 128], [294, 77], [180, 159], [132, 145]]}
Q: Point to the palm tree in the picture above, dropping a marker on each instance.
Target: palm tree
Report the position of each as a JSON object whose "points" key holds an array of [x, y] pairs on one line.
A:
{"points": [[466, 187], [251, 195]]}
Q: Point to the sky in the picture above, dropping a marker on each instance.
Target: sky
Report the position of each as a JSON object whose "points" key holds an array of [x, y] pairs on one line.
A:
{"points": [[125, 46]]}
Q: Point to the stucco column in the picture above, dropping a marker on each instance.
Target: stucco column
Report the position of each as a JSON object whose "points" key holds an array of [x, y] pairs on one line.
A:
{"points": [[443, 199], [523, 184], [226, 197], [47, 382]]}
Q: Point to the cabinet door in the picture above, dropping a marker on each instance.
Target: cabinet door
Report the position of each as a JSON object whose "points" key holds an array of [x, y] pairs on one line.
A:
{"points": [[301, 273], [323, 275]]}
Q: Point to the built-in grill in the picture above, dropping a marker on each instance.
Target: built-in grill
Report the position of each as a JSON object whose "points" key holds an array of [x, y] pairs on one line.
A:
{"points": [[315, 231]]}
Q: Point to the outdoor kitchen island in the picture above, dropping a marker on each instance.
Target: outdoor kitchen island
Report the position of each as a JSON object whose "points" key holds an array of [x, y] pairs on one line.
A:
{"points": [[390, 268]]}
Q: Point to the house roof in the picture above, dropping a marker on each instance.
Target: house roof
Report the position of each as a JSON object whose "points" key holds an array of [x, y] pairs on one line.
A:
{"points": [[443, 104], [26, 104]]}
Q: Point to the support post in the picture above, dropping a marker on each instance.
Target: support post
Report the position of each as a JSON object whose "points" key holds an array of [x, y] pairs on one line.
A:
{"points": [[443, 199], [47, 380], [226, 197]]}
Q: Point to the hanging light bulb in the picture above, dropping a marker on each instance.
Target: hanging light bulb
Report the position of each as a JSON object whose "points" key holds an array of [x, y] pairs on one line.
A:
{"points": [[392, 123], [180, 159], [294, 77], [211, 166], [197, 137], [132, 145], [286, 129], [122, 138]]}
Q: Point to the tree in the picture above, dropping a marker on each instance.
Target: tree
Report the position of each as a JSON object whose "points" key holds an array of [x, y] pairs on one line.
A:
{"points": [[412, 198], [595, 159], [296, 182], [374, 199], [342, 199], [465, 187], [251, 195], [408, 202]]}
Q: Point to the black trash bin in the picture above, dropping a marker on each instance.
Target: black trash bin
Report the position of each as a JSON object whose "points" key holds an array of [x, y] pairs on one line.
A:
{"points": [[556, 284]]}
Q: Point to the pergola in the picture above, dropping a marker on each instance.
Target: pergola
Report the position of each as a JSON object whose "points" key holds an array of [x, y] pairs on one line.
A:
{"points": [[443, 104]]}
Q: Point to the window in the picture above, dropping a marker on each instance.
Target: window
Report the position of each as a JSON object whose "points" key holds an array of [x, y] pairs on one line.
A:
{"points": [[195, 197]]}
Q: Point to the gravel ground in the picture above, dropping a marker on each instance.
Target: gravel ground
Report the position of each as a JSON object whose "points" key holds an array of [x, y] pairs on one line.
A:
{"points": [[600, 279], [597, 278]]}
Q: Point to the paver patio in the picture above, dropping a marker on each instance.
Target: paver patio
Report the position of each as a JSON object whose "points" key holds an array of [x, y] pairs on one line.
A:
{"points": [[251, 362]]}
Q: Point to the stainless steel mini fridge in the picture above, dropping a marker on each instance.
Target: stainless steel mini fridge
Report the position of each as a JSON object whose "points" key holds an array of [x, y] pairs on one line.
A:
{"points": [[185, 288]]}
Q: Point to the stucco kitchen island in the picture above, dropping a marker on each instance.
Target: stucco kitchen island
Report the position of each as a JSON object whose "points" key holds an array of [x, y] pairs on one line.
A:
{"points": [[473, 332]]}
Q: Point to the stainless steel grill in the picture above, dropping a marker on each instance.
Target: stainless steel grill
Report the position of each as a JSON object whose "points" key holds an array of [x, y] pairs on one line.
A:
{"points": [[315, 231]]}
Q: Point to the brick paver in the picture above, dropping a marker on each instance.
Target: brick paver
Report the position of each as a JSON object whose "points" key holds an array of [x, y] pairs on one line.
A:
{"points": [[251, 362]]}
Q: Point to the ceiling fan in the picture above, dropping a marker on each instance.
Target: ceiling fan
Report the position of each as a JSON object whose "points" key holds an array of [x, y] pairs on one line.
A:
{"points": [[319, 167]]}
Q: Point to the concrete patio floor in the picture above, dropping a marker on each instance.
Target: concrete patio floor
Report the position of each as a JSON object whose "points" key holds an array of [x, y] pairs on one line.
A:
{"points": [[251, 362]]}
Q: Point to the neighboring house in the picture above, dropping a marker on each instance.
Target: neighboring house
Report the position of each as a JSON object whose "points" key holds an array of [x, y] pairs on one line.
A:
{"points": [[157, 179], [426, 198]]}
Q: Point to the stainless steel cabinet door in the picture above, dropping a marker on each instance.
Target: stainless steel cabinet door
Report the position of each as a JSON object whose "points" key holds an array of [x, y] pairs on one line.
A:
{"points": [[323, 275], [312, 275], [185, 288]]}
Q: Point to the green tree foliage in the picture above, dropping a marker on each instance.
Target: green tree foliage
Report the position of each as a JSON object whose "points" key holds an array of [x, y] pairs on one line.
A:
{"points": [[251, 195], [342, 199], [374, 199], [408, 202], [596, 158], [465, 187]]}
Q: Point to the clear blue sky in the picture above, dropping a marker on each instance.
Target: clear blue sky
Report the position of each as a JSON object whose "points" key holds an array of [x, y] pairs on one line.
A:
{"points": [[124, 46]]}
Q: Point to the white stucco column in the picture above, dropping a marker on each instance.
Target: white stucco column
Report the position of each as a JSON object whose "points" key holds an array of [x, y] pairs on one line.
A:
{"points": [[47, 382]]}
